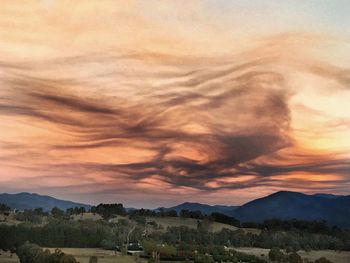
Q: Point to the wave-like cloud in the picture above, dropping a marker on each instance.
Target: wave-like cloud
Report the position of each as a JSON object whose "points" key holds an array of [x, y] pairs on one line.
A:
{"points": [[198, 126], [146, 123]]}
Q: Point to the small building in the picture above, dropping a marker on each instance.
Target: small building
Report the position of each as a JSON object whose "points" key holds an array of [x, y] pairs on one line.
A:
{"points": [[134, 248]]}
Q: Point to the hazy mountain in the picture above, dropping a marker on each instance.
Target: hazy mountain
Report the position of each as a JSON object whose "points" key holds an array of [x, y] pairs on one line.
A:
{"points": [[282, 205], [288, 205], [204, 208], [23, 201]]}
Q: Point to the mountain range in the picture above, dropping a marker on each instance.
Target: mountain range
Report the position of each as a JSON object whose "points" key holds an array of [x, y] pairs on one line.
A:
{"points": [[334, 209], [204, 208], [23, 201]]}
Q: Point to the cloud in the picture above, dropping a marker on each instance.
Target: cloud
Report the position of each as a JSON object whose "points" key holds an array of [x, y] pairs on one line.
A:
{"points": [[199, 126]]}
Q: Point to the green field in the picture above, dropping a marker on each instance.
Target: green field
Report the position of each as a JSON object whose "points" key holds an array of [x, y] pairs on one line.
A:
{"points": [[336, 257], [82, 255]]}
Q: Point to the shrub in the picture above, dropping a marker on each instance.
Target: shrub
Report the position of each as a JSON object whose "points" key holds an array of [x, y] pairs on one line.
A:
{"points": [[276, 254], [32, 253], [294, 258]]}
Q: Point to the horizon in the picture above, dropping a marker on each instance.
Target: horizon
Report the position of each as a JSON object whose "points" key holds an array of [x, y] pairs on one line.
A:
{"points": [[157, 102], [169, 206]]}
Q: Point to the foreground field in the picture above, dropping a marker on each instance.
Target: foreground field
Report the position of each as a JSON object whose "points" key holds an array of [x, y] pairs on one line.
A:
{"points": [[106, 256], [6, 257], [82, 255], [336, 257]]}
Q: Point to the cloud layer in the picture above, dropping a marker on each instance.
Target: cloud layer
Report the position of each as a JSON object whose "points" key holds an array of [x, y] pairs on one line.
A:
{"points": [[156, 127]]}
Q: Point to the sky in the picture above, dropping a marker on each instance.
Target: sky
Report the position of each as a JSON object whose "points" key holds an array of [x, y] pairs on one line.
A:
{"points": [[153, 103]]}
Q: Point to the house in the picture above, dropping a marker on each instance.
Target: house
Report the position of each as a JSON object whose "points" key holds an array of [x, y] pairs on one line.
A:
{"points": [[134, 248]]}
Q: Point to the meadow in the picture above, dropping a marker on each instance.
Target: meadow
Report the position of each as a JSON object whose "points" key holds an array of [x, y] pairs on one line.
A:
{"points": [[334, 256], [192, 223], [107, 256], [82, 255]]}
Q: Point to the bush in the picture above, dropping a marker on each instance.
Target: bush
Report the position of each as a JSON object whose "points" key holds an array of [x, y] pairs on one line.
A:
{"points": [[28, 252], [32, 253], [276, 254], [294, 258]]}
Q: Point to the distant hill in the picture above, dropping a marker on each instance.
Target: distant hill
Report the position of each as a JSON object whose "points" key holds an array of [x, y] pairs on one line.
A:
{"points": [[288, 205], [23, 201], [281, 205], [205, 209]]}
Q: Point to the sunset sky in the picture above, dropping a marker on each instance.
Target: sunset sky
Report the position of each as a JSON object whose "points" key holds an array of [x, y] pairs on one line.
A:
{"points": [[153, 103]]}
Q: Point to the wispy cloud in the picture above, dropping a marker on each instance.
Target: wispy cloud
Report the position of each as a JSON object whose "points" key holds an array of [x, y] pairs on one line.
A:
{"points": [[106, 122]]}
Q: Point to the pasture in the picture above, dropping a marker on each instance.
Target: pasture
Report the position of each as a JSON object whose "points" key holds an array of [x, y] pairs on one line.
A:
{"points": [[334, 256], [192, 223], [82, 255]]}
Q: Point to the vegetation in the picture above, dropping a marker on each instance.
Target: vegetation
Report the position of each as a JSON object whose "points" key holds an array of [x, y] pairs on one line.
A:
{"points": [[76, 211], [31, 253], [320, 227], [221, 218], [33, 216], [108, 210], [4, 208], [277, 255], [58, 228]]}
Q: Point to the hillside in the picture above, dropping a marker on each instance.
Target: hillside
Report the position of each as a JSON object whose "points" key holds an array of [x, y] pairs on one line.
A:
{"points": [[204, 208], [23, 201], [281, 205], [288, 205]]}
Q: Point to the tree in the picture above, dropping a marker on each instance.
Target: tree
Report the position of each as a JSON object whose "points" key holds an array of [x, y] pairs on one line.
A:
{"points": [[191, 214], [29, 216], [28, 252], [57, 213], [4, 208], [108, 210], [221, 218]]}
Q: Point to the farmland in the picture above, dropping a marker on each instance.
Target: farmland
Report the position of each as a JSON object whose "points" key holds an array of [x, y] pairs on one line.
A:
{"points": [[334, 256], [81, 254]]}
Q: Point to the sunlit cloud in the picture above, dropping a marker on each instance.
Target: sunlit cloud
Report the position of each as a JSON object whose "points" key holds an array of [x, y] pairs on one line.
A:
{"points": [[103, 101]]}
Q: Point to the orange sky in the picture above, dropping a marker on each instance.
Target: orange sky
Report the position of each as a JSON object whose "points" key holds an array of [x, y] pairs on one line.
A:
{"points": [[152, 103]]}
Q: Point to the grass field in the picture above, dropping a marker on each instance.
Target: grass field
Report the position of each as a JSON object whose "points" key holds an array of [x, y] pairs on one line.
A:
{"points": [[192, 223], [87, 216], [336, 257], [9, 220], [163, 221], [106, 256], [6, 257], [82, 255]]}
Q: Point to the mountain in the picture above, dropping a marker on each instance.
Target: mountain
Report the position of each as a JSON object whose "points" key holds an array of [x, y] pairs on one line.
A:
{"points": [[205, 209], [289, 205], [23, 201]]}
